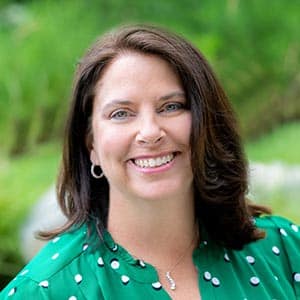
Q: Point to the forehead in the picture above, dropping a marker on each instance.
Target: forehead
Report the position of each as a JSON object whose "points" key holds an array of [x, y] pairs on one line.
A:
{"points": [[131, 61], [134, 72]]}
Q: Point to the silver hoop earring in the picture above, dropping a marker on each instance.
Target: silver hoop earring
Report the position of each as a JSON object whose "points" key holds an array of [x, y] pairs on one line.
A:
{"points": [[93, 172]]}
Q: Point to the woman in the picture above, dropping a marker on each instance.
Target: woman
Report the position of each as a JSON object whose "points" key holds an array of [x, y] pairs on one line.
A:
{"points": [[153, 183]]}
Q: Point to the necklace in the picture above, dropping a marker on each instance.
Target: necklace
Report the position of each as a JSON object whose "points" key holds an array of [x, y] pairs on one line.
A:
{"points": [[168, 275]]}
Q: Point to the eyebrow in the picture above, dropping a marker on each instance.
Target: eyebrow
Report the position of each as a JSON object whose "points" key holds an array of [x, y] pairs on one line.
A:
{"points": [[117, 102], [172, 95]]}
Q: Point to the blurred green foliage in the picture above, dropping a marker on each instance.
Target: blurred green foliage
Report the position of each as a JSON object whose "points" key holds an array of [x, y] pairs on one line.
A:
{"points": [[280, 145], [22, 181], [253, 46]]}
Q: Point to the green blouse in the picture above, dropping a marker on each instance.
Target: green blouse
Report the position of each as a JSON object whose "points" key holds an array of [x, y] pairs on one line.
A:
{"points": [[76, 265]]}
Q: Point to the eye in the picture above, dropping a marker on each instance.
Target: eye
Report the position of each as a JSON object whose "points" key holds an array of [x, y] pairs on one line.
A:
{"points": [[172, 107], [121, 114]]}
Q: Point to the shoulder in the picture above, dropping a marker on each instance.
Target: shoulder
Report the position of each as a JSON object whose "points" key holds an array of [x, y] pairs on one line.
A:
{"points": [[278, 230], [55, 265], [58, 254], [277, 224], [281, 245], [275, 257]]}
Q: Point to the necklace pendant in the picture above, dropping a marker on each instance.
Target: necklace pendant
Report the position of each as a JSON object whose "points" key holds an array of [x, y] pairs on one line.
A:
{"points": [[171, 281]]}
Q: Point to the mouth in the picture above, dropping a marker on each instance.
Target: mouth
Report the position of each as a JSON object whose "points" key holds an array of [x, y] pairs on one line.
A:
{"points": [[154, 162]]}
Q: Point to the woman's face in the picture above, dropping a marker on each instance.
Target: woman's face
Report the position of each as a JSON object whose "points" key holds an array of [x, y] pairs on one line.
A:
{"points": [[141, 129]]}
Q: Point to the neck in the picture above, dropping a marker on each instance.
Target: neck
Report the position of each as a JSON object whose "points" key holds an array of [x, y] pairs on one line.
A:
{"points": [[141, 225]]}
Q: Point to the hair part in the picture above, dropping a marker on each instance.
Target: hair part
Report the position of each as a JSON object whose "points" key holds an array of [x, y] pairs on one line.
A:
{"points": [[218, 161]]}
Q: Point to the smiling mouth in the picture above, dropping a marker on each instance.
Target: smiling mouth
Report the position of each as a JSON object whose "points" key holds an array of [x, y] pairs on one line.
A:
{"points": [[154, 162]]}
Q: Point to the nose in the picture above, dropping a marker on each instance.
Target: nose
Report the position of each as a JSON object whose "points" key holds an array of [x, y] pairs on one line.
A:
{"points": [[150, 131]]}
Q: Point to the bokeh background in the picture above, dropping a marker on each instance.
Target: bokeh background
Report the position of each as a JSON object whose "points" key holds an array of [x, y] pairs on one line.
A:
{"points": [[254, 47]]}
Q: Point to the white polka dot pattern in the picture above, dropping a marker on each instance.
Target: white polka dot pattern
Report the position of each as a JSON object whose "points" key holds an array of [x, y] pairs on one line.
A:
{"points": [[114, 248], [125, 279], [44, 284], [115, 264], [56, 239], [141, 263], [78, 278], [283, 232], [228, 267], [157, 285], [297, 277], [100, 262], [275, 250], [24, 272], [226, 257], [294, 227], [207, 276], [12, 291], [215, 281], [250, 259], [55, 256], [254, 280]]}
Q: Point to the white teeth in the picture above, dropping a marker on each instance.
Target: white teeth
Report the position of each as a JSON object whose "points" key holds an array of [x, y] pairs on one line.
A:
{"points": [[154, 162], [151, 162]]}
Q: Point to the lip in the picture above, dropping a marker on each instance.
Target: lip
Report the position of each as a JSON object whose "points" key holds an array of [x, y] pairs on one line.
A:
{"points": [[148, 156], [152, 170]]}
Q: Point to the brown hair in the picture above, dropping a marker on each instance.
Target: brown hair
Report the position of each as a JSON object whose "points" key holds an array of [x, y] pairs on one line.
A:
{"points": [[218, 161]]}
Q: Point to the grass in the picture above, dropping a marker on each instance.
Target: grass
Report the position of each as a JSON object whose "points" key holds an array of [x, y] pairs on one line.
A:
{"points": [[279, 205], [22, 181], [280, 145], [283, 144]]}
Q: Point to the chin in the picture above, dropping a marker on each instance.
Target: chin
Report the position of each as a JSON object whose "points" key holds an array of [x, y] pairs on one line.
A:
{"points": [[160, 192]]}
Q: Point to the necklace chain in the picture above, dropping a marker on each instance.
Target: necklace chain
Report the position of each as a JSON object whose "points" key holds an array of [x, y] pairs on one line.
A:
{"points": [[168, 275]]}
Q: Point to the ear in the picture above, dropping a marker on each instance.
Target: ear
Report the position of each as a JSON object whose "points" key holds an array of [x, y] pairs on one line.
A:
{"points": [[90, 147], [93, 157]]}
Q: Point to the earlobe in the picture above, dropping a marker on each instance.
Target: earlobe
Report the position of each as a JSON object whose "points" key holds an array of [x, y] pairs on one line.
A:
{"points": [[95, 165], [93, 157]]}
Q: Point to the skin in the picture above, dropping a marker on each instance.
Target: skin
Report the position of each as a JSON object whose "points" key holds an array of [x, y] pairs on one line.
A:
{"points": [[140, 114], [133, 120]]}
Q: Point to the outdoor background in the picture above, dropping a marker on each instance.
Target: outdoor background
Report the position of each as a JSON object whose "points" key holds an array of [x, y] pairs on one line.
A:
{"points": [[254, 47]]}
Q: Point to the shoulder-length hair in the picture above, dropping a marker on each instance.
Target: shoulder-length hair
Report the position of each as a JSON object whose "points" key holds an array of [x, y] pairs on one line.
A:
{"points": [[218, 162]]}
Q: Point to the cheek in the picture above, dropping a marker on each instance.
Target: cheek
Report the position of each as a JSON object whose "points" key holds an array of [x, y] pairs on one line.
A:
{"points": [[110, 143], [183, 128]]}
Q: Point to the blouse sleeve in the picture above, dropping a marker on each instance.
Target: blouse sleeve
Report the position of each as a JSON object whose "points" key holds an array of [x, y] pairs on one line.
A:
{"points": [[22, 289], [290, 236], [27, 288]]}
